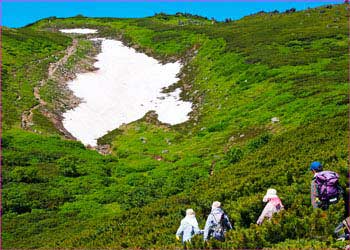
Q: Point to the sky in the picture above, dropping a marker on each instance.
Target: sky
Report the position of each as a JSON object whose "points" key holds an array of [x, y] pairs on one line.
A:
{"points": [[16, 13]]}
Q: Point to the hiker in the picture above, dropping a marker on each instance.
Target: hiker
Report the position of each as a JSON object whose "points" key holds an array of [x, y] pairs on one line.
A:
{"points": [[347, 195], [274, 205], [325, 189], [344, 227], [217, 223], [188, 227]]}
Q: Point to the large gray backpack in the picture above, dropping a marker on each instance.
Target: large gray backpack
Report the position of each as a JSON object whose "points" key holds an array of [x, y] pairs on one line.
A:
{"points": [[218, 228]]}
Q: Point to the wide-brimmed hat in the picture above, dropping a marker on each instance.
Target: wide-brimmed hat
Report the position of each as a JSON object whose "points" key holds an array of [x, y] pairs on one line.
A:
{"points": [[190, 212], [271, 193], [216, 204]]}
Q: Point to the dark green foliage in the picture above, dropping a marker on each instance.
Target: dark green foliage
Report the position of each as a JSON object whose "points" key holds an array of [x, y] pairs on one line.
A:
{"points": [[69, 167], [258, 142], [234, 155], [239, 74], [109, 137], [24, 174]]}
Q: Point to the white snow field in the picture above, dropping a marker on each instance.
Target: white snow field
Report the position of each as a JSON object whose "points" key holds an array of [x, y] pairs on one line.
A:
{"points": [[125, 87], [79, 31]]}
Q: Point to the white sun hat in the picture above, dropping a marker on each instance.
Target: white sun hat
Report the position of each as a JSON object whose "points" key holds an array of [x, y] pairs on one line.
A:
{"points": [[216, 204], [271, 193], [190, 212]]}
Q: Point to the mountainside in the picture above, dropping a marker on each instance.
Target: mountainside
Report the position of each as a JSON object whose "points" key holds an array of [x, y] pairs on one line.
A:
{"points": [[238, 75]]}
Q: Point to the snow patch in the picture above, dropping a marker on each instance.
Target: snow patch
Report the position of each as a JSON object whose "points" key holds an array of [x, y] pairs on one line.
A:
{"points": [[79, 31], [125, 87]]}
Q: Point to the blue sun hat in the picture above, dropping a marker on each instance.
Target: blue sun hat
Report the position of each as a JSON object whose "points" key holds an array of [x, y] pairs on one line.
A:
{"points": [[316, 165]]}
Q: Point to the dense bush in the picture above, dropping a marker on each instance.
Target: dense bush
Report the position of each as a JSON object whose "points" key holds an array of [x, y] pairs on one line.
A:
{"points": [[238, 74]]}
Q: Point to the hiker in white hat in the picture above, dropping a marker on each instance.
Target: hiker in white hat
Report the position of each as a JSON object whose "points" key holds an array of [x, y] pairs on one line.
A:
{"points": [[274, 205], [188, 227], [217, 223]]}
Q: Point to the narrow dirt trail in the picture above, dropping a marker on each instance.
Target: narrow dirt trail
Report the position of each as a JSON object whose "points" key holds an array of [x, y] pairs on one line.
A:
{"points": [[27, 116]]}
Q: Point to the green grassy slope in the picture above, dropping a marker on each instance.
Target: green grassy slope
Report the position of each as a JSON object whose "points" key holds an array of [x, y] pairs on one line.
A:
{"points": [[238, 75], [26, 56]]}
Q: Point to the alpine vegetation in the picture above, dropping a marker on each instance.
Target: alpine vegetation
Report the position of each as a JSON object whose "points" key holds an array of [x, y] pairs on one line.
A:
{"points": [[251, 151]]}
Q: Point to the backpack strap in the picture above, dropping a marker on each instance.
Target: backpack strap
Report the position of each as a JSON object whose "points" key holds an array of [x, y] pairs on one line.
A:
{"points": [[221, 220], [214, 218]]}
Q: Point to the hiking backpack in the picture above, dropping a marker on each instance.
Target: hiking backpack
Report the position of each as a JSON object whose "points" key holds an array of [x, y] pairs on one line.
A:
{"points": [[218, 229], [328, 187]]}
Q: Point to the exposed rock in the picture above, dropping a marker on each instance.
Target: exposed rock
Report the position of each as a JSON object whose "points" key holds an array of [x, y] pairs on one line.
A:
{"points": [[275, 119], [158, 158], [143, 139], [104, 149], [152, 117]]}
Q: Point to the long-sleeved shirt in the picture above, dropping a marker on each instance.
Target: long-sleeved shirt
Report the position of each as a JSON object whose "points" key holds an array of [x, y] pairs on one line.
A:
{"points": [[215, 217], [314, 193], [188, 228], [274, 205]]}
